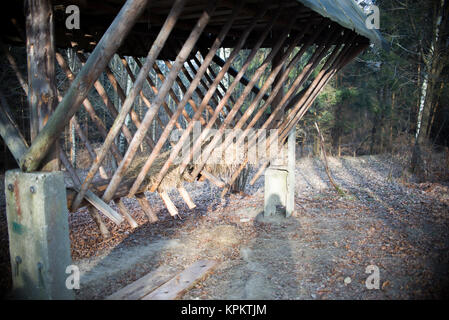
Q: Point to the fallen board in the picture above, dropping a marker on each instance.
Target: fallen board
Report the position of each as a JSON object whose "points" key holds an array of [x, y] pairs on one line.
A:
{"points": [[179, 284], [144, 285]]}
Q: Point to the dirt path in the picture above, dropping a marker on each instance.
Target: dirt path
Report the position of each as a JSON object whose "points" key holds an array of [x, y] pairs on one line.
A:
{"points": [[320, 253]]}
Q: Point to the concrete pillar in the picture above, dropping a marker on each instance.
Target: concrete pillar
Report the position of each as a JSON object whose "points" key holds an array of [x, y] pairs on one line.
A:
{"points": [[280, 181], [275, 189], [38, 230]]}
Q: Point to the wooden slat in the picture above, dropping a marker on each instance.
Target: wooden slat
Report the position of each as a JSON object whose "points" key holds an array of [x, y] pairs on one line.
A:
{"points": [[169, 204], [149, 116], [145, 285], [128, 103], [186, 197], [219, 133], [178, 285], [179, 145], [93, 213], [127, 215], [213, 179], [145, 205], [91, 197]]}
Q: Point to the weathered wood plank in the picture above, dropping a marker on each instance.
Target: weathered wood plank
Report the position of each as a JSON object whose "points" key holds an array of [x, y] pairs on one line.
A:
{"points": [[91, 197], [145, 285], [178, 285], [186, 197], [126, 214], [169, 204], [142, 199]]}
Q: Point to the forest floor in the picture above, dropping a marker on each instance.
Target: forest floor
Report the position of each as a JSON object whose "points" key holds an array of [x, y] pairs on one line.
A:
{"points": [[321, 252]]}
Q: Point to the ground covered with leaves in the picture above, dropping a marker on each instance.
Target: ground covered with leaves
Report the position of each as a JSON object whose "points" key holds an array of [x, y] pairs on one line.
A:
{"points": [[383, 219]]}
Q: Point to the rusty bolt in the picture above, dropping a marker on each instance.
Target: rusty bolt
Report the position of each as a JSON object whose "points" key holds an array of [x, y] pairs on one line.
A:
{"points": [[10, 187], [32, 189]]}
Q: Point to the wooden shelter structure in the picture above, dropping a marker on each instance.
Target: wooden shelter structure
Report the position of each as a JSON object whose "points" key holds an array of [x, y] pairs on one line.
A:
{"points": [[306, 42]]}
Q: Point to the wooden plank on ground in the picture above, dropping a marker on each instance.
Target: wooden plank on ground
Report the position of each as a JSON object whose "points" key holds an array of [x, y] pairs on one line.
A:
{"points": [[179, 284], [144, 285]]}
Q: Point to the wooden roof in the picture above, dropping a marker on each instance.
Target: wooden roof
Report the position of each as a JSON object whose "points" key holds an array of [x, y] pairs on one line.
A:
{"points": [[96, 16]]}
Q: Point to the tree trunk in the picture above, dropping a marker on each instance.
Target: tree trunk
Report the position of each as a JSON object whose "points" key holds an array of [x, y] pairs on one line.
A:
{"points": [[42, 93]]}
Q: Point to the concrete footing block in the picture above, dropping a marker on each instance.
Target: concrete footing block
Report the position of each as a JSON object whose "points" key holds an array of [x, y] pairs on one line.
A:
{"points": [[280, 181], [36, 207]]}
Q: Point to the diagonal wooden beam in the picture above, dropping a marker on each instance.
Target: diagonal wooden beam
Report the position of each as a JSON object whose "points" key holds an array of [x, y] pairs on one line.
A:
{"points": [[274, 52], [166, 86], [142, 96], [155, 91], [218, 135], [207, 60], [244, 80], [200, 93], [80, 87], [151, 58], [110, 105], [88, 106], [170, 92], [193, 85], [10, 132]]}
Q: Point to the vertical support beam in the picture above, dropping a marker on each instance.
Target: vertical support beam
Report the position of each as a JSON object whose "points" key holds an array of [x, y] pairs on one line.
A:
{"points": [[38, 230], [291, 164], [42, 93]]}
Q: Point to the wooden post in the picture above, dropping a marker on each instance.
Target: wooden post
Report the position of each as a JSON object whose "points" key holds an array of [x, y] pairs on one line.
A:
{"points": [[42, 93], [80, 87], [186, 197]]}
